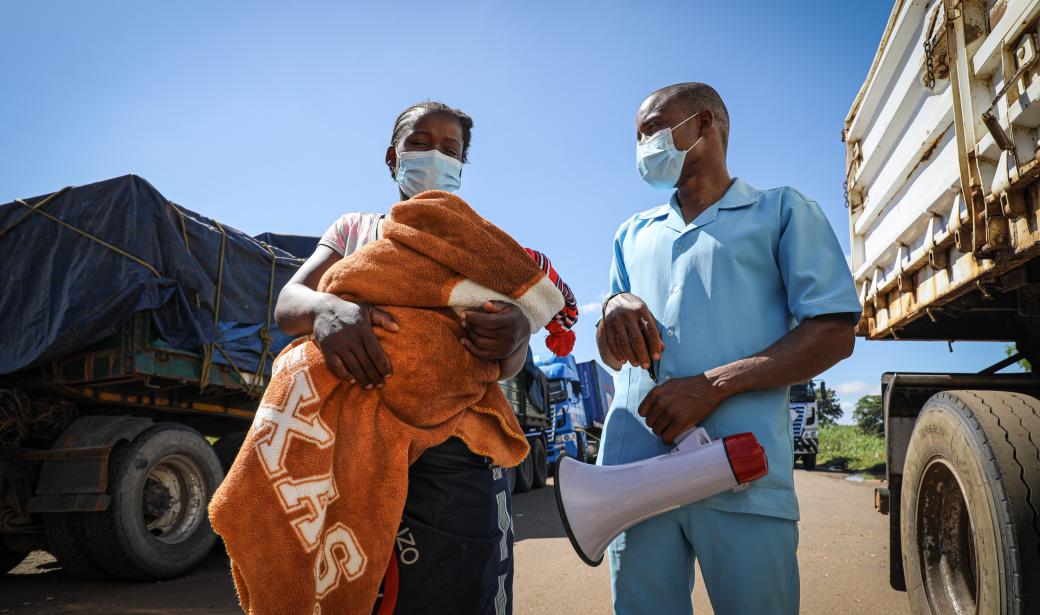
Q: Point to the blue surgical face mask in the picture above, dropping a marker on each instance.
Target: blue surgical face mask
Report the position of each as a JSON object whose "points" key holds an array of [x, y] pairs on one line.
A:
{"points": [[430, 170], [658, 161]]}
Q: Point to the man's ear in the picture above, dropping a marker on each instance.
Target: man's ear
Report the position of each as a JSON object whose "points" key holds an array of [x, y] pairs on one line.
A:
{"points": [[391, 160], [705, 121]]}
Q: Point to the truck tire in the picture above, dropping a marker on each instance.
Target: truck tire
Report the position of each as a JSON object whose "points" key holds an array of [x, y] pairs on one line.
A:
{"points": [[971, 491], [809, 462], [540, 461], [67, 541], [157, 526], [524, 476], [227, 448]]}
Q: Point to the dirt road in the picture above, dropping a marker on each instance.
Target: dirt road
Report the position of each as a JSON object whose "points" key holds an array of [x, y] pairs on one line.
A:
{"points": [[842, 555]]}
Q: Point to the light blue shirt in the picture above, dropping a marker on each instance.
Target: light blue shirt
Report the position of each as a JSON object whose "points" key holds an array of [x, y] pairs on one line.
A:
{"points": [[724, 287]]}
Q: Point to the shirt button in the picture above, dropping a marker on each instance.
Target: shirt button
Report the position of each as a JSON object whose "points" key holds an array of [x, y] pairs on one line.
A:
{"points": [[668, 333], [675, 290]]}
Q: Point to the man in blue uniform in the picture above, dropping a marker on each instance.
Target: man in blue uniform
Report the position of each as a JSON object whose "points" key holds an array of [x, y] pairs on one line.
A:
{"points": [[726, 295]]}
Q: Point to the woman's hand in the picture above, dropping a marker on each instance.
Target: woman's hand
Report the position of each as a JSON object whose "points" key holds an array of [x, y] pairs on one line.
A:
{"points": [[343, 332], [496, 332]]}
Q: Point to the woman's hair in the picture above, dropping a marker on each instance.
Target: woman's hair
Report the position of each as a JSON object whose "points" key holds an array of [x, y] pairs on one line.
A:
{"points": [[411, 115]]}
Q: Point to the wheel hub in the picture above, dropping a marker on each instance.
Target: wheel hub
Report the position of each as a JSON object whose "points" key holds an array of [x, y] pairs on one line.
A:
{"points": [[157, 498], [173, 501], [945, 542]]}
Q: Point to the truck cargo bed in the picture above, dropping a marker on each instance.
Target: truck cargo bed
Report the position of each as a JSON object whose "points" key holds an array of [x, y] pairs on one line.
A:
{"points": [[942, 165]]}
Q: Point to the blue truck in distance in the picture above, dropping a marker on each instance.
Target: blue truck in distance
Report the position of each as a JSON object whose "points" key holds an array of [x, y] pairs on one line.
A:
{"points": [[597, 393], [580, 394]]}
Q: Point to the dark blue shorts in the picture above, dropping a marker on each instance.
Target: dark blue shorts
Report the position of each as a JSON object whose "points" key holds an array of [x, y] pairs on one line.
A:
{"points": [[454, 550]]}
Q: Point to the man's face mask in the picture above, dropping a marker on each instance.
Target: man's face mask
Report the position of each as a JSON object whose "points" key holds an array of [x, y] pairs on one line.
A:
{"points": [[658, 161], [431, 170]]}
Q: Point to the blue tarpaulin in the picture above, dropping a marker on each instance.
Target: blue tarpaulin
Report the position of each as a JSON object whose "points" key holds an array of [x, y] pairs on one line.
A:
{"points": [[78, 264]]}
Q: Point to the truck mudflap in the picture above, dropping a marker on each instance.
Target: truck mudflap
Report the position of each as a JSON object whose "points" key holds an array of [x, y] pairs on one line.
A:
{"points": [[74, 475]]}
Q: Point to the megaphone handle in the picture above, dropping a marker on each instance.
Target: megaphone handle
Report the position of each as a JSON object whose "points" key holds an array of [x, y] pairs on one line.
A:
{"points": [[699, 435]]}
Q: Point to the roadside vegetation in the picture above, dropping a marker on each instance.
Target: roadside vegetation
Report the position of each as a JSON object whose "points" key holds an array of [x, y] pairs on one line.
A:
{"points": [[850, 449]]}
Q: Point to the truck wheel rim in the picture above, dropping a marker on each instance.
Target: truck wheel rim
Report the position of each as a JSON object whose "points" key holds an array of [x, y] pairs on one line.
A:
{"points": [[945, 541], [173, 502]]}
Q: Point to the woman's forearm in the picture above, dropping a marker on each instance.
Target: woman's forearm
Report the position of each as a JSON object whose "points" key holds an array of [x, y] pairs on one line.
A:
{"points": [[296, 308], [299, 300]]}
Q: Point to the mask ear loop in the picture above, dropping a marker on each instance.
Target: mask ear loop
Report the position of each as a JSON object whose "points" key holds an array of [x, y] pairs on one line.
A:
{"points": [[686, 120], [699, 139], [694, 144], [672, 129]]}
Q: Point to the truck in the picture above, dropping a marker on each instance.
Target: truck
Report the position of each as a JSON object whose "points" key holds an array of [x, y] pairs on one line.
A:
{"points": [[528, 394], [568, 434], [581, 394], [597, 393], [802, 405], [942, 169], [137, 341]]}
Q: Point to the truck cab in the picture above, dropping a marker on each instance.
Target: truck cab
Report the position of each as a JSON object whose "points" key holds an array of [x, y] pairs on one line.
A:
{"points": [[802, 404], [568, 433]]}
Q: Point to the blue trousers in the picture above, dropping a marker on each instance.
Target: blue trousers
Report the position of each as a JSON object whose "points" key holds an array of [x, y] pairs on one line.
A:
{"points": [[749, 564], [454, 547]]}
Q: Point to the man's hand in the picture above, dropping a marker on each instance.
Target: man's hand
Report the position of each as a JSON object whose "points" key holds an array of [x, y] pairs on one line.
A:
{"points": [[343, 332], [628, 332], [679, 404], [496, 332]]}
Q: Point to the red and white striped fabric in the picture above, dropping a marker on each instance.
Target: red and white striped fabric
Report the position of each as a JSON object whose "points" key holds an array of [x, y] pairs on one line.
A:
{"points": [[561, 337]]}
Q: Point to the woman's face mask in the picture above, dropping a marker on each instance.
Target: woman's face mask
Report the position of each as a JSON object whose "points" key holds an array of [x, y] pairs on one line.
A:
{"points": [[658, 161], [428, 170]]}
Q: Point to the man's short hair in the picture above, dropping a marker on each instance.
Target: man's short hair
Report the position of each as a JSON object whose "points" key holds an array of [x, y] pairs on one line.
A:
{"points": [[694, 97]]}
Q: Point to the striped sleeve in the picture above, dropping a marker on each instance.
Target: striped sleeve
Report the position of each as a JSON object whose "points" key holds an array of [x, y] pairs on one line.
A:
{"points": [[568, 316]]}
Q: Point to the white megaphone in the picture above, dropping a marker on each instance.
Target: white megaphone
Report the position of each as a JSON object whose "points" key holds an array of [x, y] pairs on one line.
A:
{"points": [[599, 502]]}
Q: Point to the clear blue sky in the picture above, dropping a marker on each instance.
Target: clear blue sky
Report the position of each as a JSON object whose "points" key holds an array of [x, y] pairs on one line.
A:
{"points": [[275, 116]]}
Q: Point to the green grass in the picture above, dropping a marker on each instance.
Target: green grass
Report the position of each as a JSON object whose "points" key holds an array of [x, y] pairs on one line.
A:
{"points": [[845, 447]]}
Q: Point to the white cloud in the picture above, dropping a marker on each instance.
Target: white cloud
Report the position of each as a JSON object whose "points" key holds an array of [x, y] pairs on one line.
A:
{"points": [[855, 388], [594, 307], [847, 408]]}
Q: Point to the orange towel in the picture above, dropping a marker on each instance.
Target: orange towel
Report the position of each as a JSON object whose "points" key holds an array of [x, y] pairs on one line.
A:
{"points": [[311, 506]]}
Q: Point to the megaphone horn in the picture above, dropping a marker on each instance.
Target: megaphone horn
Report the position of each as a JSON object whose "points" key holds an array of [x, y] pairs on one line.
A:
{"points": [[597, 503]]}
